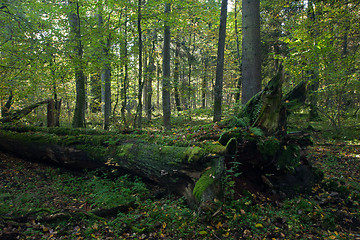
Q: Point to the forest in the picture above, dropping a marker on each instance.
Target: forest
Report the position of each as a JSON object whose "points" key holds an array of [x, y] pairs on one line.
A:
{"points": [[179, 119]]}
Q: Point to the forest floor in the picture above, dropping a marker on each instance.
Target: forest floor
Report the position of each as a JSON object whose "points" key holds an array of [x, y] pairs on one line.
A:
{"points": [[44, 202]]}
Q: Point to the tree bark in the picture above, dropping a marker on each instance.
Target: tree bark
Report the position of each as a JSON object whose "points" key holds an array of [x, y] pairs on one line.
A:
{"points": [[124, 87], [138, 116], [251, 45], [75, 39], [177, 76], [239, 81], [95, 91], [166, 84], [220, 63], [105, 72]]}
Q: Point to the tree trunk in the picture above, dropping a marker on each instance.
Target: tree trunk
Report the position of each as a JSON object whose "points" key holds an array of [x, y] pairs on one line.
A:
{"points": [[177, 76], [313, 72], [251, 45], [239, 81], [138, 116], [150, 76], [6, 108], [105, 73], [220, 63], [51, 113], [95, 91], [166, 84], [124, 87], [75, 39], [204, 80], [176, 168]]}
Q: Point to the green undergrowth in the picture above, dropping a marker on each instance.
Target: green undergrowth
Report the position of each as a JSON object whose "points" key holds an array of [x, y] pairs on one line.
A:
{"points": [[37, 191]]}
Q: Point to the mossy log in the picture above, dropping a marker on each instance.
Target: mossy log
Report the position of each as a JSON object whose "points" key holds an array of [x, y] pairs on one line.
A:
{"points": [[176, 168]]}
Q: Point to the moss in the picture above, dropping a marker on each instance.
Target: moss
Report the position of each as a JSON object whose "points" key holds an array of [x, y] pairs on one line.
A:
{"points": [[235, 132], [124, 150], [269, 147], [289, 157], [216, 148], [194, 154], [205, 181]]}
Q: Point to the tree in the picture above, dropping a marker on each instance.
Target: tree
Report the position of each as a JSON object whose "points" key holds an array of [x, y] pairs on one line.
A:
{"points": [[105, 72], [75, 38], [220, 63], [238, 84], [166, 71], [138, 116], [251, 45]]}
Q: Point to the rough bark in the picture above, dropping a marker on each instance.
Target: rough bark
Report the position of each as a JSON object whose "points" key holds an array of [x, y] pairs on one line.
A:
{"points": [[166, 84], [75, 39], [177, 76], [95, 91], [239, 81], [220, 63], [138, 116], [124, 55], [105, 72], [251, 45]]}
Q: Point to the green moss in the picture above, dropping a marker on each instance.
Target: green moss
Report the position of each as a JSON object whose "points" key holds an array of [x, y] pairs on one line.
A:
{"points": [[217, 148], [124, 150], [269, 147], [194, 154], [205, 181], [235, 132], [289, 157]]}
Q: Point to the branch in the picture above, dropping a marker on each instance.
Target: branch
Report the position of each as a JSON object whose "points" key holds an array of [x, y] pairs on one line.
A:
{"points": [[18, 114]]}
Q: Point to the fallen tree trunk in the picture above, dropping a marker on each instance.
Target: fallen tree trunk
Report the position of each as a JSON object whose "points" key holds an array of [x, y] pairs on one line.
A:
{"points": [[176, 168], [18, 114]]}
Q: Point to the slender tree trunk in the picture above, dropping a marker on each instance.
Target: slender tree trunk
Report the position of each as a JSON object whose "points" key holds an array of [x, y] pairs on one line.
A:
{"points": [[204, 81], [166, 72], [138, 116], [220, 63], [105, 74], [151, 71], [124, 54], [251, 59], [75, 39], [158, 78], [239, 81], [106, 91], [177, 76], [146, 79], [57, 103], [95, 91], [313, 73]]}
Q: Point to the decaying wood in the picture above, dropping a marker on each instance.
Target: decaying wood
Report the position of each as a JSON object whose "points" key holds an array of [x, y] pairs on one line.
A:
{"points": [[176, 168], [18, 114]]}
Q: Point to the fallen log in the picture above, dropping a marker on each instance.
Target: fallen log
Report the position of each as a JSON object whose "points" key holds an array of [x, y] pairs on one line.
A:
{"points": [[176, 168], [18, 114]]}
